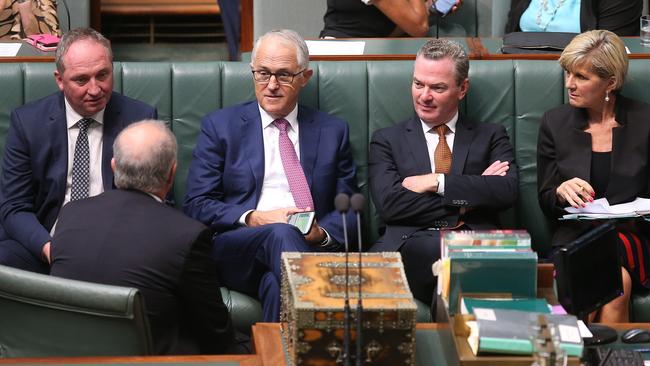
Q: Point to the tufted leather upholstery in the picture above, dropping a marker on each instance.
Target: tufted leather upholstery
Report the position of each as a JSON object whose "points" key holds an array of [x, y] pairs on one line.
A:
{"points": [[369, 95]]}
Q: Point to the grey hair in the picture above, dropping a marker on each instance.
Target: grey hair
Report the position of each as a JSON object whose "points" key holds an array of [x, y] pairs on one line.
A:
{"points": [[437, 49], [146, 171], [75, 35], [291, 37]]}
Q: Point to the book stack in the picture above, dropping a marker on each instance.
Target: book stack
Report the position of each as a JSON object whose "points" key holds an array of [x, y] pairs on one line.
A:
{"points": [[485, 262], [513, 332]]}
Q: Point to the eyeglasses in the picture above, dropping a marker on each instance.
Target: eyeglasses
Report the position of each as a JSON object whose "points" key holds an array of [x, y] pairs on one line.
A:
{"points": [[283, 77]]}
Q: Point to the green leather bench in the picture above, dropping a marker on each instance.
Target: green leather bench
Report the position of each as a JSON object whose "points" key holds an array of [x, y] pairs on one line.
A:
{"points": [[369, 95]]}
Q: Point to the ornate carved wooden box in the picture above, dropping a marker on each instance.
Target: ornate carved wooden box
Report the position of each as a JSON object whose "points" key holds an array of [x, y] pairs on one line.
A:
{"points": [[313, 293]]}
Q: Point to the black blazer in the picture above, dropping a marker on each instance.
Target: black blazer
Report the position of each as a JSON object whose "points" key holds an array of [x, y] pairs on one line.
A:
{"points": [[618, 16], [400, 151], [127, 238], [564, 152]]}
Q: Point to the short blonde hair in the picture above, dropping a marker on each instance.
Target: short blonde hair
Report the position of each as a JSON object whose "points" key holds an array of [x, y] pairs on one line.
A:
{"points": [[602, 50]]}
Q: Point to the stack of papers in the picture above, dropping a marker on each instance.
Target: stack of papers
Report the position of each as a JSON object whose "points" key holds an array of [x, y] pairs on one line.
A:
{"points": [[601, 209]]}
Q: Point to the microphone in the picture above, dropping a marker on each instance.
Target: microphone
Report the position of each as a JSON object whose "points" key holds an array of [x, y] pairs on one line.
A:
{"points": [[357, 202], [342, 204]]}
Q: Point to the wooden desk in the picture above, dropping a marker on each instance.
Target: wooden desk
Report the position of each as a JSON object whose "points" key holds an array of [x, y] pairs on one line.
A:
{"points": [[226, 360], [28, 53], [490, 49], [389, 49]]}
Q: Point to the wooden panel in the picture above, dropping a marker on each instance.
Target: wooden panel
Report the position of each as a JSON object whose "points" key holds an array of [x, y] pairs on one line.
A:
{"points": [[158, 7]]}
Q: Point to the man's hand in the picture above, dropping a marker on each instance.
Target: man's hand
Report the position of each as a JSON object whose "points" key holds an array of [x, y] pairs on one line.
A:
{"points": [[316, 234], [497, 168], [421, 183], [279, 216], [46, 252]]}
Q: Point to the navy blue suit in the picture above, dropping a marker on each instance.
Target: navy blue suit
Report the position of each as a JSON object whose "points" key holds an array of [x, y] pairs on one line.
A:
{"points": [[225, 180], [34, 172], [412, 220]]}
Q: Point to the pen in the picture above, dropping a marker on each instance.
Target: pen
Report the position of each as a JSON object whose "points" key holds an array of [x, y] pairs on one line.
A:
{"points": [[641, 350]]}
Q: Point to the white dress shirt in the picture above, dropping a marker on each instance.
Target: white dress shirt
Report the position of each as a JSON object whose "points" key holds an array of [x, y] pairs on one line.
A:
{"points": [[431, 136], [95, 144]]}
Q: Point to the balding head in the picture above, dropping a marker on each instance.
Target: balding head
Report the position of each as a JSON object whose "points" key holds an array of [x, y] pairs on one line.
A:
{"points": [[144, 158]]}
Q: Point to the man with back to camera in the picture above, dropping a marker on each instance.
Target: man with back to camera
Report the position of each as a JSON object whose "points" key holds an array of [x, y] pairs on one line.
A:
{"points": [[258, 162], [438, 169], [129, 237], [59, 148]]}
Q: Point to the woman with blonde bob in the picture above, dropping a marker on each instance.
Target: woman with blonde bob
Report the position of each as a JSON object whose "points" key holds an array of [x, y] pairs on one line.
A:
{"points": [[598, 145]]}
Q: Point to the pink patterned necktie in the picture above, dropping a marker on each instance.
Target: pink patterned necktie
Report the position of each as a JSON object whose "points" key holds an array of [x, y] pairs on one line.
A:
{"points": [[292, 169]]}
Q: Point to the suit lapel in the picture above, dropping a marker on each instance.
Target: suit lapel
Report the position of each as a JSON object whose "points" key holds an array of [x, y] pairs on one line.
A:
{"points": [[462, 142], [418, 144], [251, 130], [309, 138], [58, 129], [113, 124]]}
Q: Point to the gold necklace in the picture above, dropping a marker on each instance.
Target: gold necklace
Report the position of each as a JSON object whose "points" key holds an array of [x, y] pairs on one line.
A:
{"points": [[543, 6]]}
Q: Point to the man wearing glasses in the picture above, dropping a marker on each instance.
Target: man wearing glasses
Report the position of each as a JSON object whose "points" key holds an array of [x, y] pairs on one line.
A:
{"points": [[257, 163]]}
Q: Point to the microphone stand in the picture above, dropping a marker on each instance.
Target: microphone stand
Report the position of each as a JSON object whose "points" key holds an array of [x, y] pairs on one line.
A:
{"points": [[357, 206], [342, 203]]}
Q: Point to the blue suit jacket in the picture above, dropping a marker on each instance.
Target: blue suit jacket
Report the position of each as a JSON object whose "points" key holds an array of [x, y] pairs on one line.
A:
{"points": [[34, 167], [227, 171]]}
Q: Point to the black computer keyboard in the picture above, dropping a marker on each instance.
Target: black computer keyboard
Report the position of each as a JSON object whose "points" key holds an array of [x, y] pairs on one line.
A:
{"points": [[601, 356]]}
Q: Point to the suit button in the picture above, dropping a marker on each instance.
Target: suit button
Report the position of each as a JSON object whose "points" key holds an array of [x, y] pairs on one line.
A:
{"points": [[404, 237]]}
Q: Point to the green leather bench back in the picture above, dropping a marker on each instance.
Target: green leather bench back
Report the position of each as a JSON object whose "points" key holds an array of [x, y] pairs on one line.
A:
{"points": [[369, 95], [46, 316]]}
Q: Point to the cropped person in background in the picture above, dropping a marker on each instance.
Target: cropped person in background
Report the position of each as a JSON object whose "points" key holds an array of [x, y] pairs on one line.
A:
{"points": [[597, 146], [129, 237], [376, 18], [231, 26], [21, 18], [258, 162], [59, 148], [438, 169], [575, 16]]}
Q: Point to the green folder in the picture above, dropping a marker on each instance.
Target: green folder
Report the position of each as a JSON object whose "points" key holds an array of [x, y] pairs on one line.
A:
{"points": [[525, 304], [511, 273]]}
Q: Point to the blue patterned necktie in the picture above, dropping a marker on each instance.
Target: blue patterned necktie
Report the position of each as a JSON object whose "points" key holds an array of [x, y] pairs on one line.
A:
{"points": [[81, 163]]}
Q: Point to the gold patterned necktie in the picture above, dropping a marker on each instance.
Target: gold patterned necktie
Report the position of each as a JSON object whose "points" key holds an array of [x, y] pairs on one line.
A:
{"points": [[442, 153]]}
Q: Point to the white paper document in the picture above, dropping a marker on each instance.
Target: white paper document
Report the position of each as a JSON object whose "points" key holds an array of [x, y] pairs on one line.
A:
{"points": [[332, 47], [601, 209], [9, 49]]}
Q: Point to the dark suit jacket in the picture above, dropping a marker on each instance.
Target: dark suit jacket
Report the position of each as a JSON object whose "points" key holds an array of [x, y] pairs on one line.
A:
{"points": [[618, 16], [227, 171], [564, 152], [35, 163], [400, 151], [127, 238]]}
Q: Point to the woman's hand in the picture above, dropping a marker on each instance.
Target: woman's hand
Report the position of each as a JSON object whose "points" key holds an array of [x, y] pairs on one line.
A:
{"points": [[576, 192]]}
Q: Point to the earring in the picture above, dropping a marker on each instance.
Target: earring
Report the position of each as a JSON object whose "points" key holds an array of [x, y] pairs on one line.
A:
{"points": [[607, 96]]}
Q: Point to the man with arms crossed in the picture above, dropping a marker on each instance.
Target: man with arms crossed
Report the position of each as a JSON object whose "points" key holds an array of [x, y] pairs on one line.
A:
{"points": [[439, 169], [259, 162], [59, 148]]}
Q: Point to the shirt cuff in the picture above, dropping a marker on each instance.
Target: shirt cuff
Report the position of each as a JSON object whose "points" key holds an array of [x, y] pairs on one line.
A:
{"points": [[367, 2], [327, 239], [441, 184], [242, 218]]}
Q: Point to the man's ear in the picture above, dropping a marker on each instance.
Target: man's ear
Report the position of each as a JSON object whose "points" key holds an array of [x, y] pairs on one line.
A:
{"points": [[113, 164], [464, 88], [58, 77]]}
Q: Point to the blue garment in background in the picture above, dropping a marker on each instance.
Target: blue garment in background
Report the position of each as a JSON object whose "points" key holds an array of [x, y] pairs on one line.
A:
{"points": [[566, 19]]}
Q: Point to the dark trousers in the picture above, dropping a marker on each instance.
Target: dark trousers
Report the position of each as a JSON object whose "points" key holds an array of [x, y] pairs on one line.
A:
{"points": [[13, 254], [248, 260], [419, 251], [231, 25]]}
